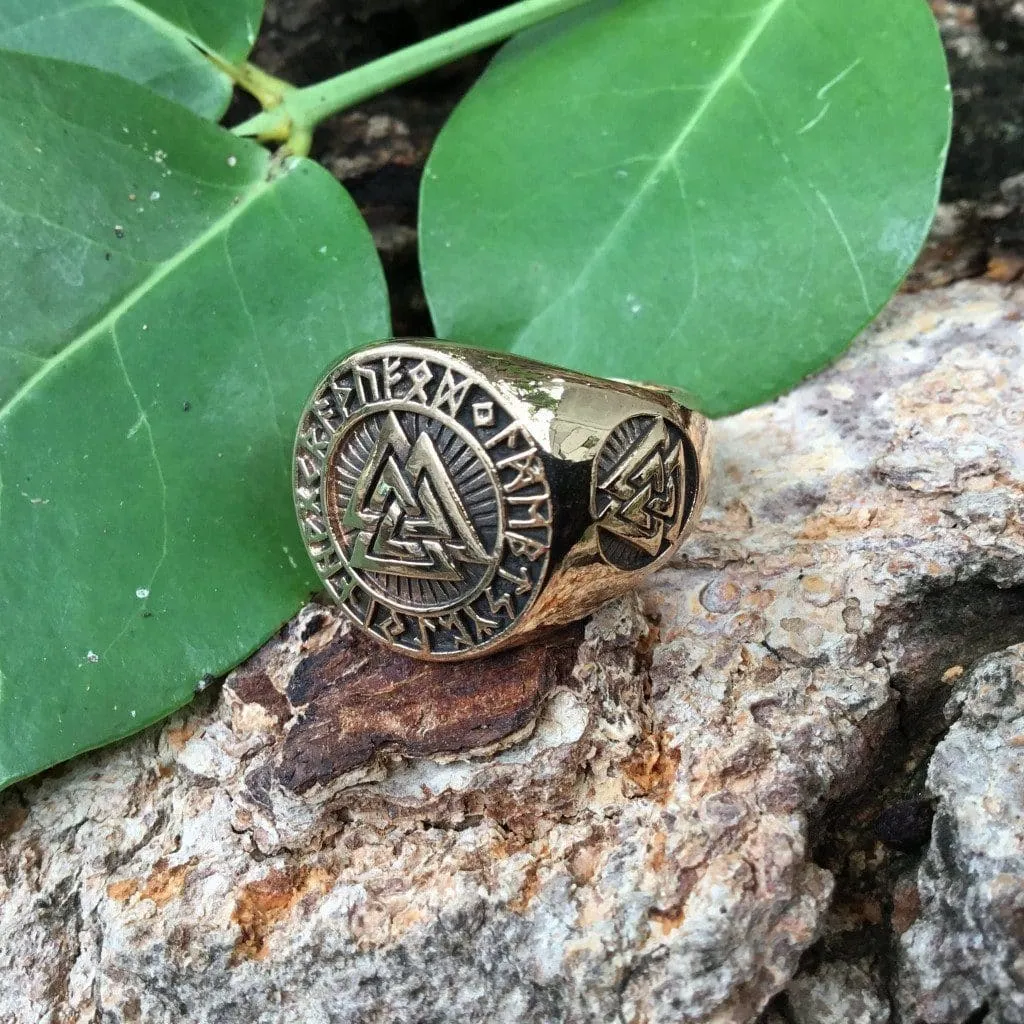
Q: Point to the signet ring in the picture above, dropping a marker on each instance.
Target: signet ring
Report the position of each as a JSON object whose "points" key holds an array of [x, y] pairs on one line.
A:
{"points": [[455, 501]]}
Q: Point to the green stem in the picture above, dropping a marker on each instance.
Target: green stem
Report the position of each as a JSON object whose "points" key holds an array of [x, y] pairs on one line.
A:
{"points": [[301, 110], [266, 88]]}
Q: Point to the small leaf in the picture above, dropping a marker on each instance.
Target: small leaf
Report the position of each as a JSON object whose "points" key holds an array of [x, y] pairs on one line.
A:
{"points": [[152, 42], [714, 196], [168, 300]]}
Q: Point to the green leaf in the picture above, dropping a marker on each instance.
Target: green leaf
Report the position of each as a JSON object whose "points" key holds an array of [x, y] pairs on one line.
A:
{"points": [[155, 354], [152, 42], [714, 196]]}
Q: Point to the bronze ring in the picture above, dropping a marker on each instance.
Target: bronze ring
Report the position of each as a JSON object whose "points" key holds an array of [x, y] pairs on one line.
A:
{"points": [[455, 501]]}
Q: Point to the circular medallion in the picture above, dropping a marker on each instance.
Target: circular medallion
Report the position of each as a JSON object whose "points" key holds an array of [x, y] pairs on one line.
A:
{"points": [[423, 502], [638, 493]]}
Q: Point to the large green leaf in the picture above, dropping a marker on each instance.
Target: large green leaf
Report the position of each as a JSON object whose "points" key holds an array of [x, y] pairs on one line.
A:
{"points": [[152, 42], [155, 353], [716, 196]]}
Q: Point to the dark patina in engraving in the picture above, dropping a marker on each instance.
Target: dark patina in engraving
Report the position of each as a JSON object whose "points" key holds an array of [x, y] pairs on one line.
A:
{"points": [[422, 501], [638, 493]]}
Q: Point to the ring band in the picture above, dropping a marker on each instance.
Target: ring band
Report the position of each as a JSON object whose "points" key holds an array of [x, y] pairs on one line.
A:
{"points": [[455, 500]]}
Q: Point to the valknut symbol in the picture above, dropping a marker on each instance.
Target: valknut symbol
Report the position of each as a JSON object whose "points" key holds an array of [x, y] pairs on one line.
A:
{"points": [[638, 491], [423, 500], [410, 519]]}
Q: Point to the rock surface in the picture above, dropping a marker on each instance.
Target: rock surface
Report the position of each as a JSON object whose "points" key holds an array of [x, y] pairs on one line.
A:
{"points": [[715, 796], [965, 953]]}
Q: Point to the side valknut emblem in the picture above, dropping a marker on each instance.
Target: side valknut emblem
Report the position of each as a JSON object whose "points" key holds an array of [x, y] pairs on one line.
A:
{"points": [[639, 488], [422, 500]]}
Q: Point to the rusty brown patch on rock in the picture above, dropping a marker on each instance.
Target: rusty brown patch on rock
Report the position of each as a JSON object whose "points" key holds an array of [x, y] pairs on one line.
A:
{"points": [[358, 700], [262, 904], [665, 920], [178, 737], [651, 768], [1004, 267], [657, 852], [826, 526], [123, 890], [166, 882], [864, 910], [531, 886], [669, 919]]}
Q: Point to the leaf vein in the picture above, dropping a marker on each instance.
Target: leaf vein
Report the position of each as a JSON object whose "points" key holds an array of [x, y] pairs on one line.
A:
{"points": [[694, 265], [668, 158], [854, 262], [143, 421], [257, 344], [552, 188], [123, 142], [24, 353], [51, 16], [790, 178], [168, 28], [37, 215], [162, 271]]}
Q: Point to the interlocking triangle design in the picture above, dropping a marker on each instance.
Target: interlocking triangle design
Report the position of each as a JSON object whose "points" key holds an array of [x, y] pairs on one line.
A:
{"points": [[409, 517], [641, 492]]}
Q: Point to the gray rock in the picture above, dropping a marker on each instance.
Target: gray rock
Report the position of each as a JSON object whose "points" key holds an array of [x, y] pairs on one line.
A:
{"points": [[836, 993], [640, 849], [966, 950]]}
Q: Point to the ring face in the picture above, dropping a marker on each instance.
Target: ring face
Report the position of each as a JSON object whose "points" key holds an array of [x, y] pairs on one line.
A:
{"points": [[423, 502], [638, 491]]}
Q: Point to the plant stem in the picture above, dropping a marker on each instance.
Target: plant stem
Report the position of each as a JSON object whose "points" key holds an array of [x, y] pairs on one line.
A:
{"points": [[270, 91], [299, 111], [265, 87]]}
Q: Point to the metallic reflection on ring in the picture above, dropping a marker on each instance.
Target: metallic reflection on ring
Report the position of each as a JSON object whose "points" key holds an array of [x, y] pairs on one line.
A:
{"points": [[455, 501]]}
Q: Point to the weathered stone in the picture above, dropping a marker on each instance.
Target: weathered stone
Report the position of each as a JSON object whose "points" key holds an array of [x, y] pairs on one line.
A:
{"points": [[638, 847], [836, 993], [965, 950]]}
